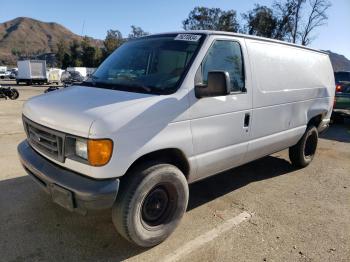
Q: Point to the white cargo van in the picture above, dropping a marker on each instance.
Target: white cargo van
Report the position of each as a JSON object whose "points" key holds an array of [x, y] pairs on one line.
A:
{"points": [[170, 109]]}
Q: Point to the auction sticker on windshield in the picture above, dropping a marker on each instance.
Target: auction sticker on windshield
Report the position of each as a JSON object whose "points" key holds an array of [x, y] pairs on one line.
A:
{"points": [[188, 37]]}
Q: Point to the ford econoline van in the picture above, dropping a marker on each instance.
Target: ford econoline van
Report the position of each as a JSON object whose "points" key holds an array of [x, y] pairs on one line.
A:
{"points": [[170, 109]]}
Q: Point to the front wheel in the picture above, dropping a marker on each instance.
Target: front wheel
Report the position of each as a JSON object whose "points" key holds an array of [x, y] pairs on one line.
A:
{"points": [[153, 199], [304, 151]]}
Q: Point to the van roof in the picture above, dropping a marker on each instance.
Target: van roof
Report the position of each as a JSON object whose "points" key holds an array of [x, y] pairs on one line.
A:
{"points": [[212, 32]]}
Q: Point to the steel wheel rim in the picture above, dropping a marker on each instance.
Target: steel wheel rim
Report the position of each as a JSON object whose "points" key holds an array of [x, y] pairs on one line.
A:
{"points": [[159, 206]]}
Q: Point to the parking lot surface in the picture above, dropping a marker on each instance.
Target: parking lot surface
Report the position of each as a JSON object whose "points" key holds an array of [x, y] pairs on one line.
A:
{"points": [[263, 211]]}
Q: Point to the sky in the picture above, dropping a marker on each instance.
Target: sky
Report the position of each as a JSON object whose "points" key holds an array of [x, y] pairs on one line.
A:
{"points": [[94, 18]]}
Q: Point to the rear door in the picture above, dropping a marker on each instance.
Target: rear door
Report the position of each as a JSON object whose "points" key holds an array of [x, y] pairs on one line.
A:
{"points": [[221, 125]]}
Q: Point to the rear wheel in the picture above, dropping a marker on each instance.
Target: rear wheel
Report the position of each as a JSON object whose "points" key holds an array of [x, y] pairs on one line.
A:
{"points": [[153, 198], [304, 151], [14, 94]]}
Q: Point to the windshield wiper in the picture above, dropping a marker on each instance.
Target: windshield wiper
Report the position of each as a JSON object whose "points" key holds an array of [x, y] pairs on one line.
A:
{"points": [[124, 87], [140, 85]]}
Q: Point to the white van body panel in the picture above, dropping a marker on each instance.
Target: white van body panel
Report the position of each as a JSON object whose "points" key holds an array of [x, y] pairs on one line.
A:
{"points": [[286, 86], [291, 86], [142, 129]]}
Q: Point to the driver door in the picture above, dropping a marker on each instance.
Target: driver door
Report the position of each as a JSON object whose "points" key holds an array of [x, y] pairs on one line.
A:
{"points": [[221, 125]]}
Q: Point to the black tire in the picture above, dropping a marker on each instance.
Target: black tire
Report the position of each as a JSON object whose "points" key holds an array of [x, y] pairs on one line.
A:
{"points": [[304, 151], [14, 94], [153, 199]]}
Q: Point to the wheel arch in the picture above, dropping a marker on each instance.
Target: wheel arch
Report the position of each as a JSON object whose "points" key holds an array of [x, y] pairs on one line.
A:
{"points": [[316, 120], [172, 156]]}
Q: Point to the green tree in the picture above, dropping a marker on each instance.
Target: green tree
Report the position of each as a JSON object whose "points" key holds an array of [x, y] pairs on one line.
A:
{"points": [[66, 62], [113, 40], [62, 49], [137, 32], [203, 18], [261, 21], [75, 53], [88, 53], [284, 12]]}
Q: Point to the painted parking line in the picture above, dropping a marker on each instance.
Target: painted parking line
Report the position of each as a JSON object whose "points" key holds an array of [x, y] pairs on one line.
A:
{"points": [[205, 238], [12, 133]]}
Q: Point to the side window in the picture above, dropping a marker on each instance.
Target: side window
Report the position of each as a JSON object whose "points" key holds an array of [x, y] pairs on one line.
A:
{"points": [[226, 56]]}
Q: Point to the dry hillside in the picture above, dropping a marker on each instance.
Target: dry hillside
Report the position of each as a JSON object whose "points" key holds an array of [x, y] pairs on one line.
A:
{"points": [[28, 36], [339, 62]]}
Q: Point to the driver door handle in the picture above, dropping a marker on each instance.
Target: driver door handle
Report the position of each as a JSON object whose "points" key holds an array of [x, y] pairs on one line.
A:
{"points": [[246, 119]]}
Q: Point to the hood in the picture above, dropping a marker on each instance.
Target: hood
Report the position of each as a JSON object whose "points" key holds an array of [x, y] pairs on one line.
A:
{"points": [[74, 109]]}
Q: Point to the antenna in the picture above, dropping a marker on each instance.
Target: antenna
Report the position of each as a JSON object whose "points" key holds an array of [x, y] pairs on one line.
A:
{"points": [[82, 30]]}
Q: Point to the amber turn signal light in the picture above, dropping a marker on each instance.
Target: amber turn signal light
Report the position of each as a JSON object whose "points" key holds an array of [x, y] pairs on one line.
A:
{"points": [[99, 151]]}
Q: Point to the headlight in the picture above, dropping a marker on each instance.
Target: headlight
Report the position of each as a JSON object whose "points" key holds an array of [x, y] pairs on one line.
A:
{"points": [[96, 151], [81, 148]]}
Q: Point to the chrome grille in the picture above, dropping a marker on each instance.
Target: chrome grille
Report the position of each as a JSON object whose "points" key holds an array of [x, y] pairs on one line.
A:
{"points": [[48, 141]]}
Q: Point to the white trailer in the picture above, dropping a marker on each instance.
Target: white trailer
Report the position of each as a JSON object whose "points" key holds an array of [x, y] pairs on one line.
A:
{"points": [[31, 72], [54, 75]]}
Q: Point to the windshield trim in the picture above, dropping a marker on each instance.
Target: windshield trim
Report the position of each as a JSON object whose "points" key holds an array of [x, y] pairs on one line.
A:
{"points": [[136, 89]]}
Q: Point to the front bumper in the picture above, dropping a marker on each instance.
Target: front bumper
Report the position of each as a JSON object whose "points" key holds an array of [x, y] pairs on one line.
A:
{"points": [[67, 188]]}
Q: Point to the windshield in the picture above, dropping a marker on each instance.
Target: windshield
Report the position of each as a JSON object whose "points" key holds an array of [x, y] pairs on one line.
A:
{"points": [[342, 76], [149, 65]]}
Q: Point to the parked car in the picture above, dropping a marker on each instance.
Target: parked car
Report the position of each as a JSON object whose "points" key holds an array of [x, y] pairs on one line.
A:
{"points": [[4, 73], [171, 109], [3, 70], [13, 73], [341, 107], [71, 77]]}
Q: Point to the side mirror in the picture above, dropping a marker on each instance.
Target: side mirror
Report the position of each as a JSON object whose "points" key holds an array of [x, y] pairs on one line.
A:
{"points": [[218, 85]]}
